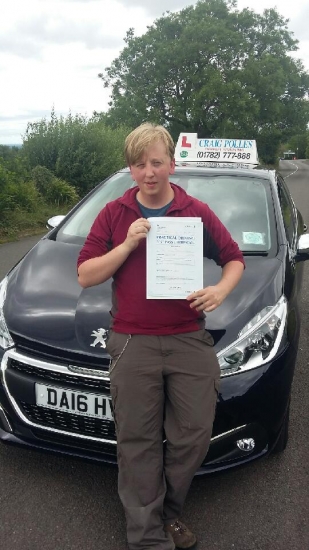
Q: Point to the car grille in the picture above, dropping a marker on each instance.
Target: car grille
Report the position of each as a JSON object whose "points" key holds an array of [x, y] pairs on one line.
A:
{"points": [[109, 451], [67, 422], [49, 353], [97, 431], [60, 377]]}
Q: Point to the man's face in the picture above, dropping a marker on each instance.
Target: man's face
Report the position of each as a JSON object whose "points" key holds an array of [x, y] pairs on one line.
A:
{"points": [[152, 171]]}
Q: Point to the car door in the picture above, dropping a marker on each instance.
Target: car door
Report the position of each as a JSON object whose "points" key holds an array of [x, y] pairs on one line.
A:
{"points": [[293, 269]]}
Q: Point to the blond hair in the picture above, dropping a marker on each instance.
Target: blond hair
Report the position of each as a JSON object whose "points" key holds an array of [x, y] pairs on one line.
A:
{"points": [[142, 137]]}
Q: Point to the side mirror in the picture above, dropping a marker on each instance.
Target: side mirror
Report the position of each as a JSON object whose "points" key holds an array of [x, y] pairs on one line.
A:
{"points": [[54, 221], [302, 253]]}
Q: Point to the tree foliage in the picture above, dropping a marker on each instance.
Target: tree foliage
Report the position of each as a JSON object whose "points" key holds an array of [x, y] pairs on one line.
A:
{"points": [[17, 192], [307, 146], [52, 189], [298, 144], [42, 178], [214, 70], [61, 193], [60, 160], [75, 149], [5, 201]]}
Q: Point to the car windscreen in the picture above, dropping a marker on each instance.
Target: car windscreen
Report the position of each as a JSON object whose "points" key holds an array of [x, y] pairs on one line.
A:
{"points": [[243, 204]]}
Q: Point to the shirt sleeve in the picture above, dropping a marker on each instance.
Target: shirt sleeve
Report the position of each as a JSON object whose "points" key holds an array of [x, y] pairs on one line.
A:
{"points": [[99, 239], [218, 242]]}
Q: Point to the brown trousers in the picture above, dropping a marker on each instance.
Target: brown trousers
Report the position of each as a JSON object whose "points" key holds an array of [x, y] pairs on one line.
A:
{"points": [[163, 388]]}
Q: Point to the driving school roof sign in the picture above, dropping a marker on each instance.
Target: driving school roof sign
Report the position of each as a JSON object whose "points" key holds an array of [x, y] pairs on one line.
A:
{"points": [[190, 148]]}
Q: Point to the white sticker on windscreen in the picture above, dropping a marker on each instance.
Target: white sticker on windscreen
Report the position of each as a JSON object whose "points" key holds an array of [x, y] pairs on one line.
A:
{"points": [[251, 237]]}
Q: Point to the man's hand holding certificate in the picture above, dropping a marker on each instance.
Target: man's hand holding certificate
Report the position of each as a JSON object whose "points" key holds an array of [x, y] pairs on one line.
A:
{"points": [[174, 257]]}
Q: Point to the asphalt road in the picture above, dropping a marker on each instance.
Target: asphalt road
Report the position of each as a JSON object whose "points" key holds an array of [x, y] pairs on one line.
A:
{"points": [[52, 502]]}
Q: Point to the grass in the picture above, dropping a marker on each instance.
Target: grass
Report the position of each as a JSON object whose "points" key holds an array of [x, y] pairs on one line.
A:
{"points": [[20, 223]]}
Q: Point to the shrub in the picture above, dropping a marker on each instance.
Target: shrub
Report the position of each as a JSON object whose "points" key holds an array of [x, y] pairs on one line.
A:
{"points": [[42, 178], [23, 195], [60, 192]]}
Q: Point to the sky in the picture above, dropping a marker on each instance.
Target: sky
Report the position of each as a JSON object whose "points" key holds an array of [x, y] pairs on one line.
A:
{"points": [[51, 52]]}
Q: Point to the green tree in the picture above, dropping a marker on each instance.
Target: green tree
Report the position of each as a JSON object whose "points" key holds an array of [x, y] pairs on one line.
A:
{"points": [[89, 152], [298, 143], [42, 178], [307, 148], [17, 192], [52, 189], [214, 70], [61, 193], [5, 199], [9, 153], [23, 196], [41, 142], [80, 151]]}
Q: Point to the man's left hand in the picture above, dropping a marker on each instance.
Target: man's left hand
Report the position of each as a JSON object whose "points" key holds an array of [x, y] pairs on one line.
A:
{"points": [[207, 299]]}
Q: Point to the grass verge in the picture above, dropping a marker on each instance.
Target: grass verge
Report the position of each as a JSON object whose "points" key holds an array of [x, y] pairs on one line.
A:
{"points": [[19, 223]]}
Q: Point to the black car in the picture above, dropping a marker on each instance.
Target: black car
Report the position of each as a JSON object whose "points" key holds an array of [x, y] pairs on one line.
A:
{"points": [[54, 388]]}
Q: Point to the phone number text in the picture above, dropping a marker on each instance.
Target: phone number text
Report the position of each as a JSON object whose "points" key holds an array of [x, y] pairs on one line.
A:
{"points": [[226, 155]]}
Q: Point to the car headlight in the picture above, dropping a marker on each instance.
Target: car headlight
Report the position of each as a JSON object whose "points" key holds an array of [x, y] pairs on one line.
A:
{"points": [[5, 338], [257, 342]]}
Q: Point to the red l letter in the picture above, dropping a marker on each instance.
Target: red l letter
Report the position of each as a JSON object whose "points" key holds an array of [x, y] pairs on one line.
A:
{"points": [[184, 142]]}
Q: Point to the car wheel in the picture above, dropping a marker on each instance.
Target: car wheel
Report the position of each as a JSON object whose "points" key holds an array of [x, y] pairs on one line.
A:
{"points": [[282, 440]]}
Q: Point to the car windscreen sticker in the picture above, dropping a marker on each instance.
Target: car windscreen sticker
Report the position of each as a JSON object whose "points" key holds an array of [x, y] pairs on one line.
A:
{"points": [[251, 237]]}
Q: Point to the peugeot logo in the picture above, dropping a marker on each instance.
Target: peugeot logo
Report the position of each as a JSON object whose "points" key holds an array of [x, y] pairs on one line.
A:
{"points": [[100, 337]]}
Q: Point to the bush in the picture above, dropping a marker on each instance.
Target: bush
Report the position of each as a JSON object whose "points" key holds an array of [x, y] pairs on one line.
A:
{"points": [[80, 151], [42, 178], [60, 192], [23, 195]]}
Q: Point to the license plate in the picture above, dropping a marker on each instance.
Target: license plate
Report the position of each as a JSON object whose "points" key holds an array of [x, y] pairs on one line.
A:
{"points": [[76, 402]]}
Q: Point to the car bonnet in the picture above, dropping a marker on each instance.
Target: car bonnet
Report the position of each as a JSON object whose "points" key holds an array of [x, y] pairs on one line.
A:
{"points": [[46, 305]]}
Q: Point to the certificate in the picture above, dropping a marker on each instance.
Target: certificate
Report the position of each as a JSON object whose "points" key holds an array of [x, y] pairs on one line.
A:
{"points": [[174, 258]]}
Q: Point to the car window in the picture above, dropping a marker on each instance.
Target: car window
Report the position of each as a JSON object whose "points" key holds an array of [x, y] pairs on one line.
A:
{"points": [[243, 204], [287, 212], [81, 221]]}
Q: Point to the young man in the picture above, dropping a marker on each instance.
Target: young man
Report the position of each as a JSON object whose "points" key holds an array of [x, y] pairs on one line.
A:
{"points": [[164, 372]]}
